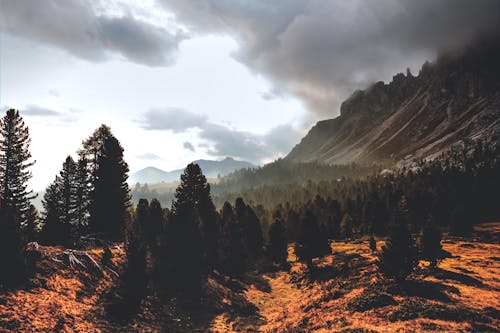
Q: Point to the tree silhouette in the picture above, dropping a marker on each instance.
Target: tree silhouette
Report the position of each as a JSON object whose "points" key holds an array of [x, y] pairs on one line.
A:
{"points": [[312, 242], [398, 259], [14, 163], [431, 244], [346, 226], [12, 257], [110, 197], [277, 247], [33, 225], [134, 279], [232, 256], [250, 228], [54, 230], [182, 263]]}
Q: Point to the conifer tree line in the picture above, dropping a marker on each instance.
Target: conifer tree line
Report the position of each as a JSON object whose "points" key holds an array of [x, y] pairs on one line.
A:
{"points": [[89, 195]]}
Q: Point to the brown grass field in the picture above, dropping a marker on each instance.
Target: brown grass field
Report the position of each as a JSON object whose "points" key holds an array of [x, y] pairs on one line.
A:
{"points": [[344, 294]]}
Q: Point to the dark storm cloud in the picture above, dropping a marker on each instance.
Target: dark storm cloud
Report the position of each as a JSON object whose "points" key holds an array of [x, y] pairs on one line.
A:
{"points": [[74, 25], [322, 50], [222, 140]]}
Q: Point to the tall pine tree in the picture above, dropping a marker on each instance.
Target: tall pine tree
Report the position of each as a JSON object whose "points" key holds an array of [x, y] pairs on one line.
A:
{"points": [[110, 198], [14, 164]]}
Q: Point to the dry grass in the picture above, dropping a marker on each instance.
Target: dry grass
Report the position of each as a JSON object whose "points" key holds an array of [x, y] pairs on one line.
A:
{"points": [[344, 293]]}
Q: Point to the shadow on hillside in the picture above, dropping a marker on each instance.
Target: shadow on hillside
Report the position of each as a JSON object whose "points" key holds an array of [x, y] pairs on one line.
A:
{"points": [[468, 280], [423, 289]]}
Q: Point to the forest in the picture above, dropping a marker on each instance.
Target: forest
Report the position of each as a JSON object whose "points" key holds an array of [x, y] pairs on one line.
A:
{"points": [[246, 223]]}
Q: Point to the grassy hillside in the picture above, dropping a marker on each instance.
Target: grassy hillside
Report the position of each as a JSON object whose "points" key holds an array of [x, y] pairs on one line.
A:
{"points": [[344, 295]]}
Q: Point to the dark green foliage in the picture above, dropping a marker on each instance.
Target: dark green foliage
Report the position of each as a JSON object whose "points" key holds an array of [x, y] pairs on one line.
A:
{"points": [[232, 252], [411, 309], [250, 228], [32, 228], [82, 193], [182, 263], [370, 299], [134, 279], [54, 231], [60, 203], [312, 241], [14, 163], [277, 250], [430, 243], [346, 226], [110, 197], [12, 256], [398, 258], [154, 228]]}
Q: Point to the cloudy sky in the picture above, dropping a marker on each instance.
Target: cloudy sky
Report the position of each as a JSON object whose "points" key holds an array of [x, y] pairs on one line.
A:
{"points": [[179, 80]]}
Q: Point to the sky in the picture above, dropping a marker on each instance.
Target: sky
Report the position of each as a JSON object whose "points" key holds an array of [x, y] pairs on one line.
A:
{"points": [[180, 80]]}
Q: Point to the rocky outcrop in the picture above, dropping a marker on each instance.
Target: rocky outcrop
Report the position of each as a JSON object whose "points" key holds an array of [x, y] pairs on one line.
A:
{"points": [[456, 98]]}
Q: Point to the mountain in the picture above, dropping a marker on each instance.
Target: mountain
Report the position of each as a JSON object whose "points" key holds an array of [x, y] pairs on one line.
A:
{"points": [[454, 99], [211, 169]]}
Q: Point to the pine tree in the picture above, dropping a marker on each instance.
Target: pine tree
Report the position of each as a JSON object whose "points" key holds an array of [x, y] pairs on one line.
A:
{"points": [[398, 258], [14, 163], [12, 256], [33, 225], [155, 225], [312, 242], [431, 248], [183, 264], [251, 229], [81, 194], [67, 190], [277, 247], [232, 255], [346, 226], [110, 197], [54, 230], [134, 279]]}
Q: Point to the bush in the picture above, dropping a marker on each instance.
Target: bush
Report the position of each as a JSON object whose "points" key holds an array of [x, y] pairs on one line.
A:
{"points": [[370, 299]]}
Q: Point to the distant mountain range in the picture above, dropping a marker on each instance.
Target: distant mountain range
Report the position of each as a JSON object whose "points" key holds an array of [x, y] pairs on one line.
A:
{"points": [[211, 169], [456, 98]]}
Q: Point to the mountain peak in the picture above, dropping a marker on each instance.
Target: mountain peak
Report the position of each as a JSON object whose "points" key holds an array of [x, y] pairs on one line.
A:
{"points": [[456, 98]]}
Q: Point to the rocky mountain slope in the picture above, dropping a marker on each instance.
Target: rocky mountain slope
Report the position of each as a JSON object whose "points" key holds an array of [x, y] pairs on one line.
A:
{"points": [[453, 99], [211, 169]]}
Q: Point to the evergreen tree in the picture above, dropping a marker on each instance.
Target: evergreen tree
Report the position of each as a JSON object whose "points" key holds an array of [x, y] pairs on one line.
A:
{"points": [[346, 226], [431, 244], [54, 230], [12, 256], [232, 255], [67, 191], [251, 228], [81, 194], [398, 259], [134, 279], [14, 163], [155, 225], [277, 247], [110, 197], [312, 242], [182, 263], [33, 225]]}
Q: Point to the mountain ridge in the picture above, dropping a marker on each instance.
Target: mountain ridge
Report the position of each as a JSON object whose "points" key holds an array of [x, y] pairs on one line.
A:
{"points": [[454, 99], [210, 168]]}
